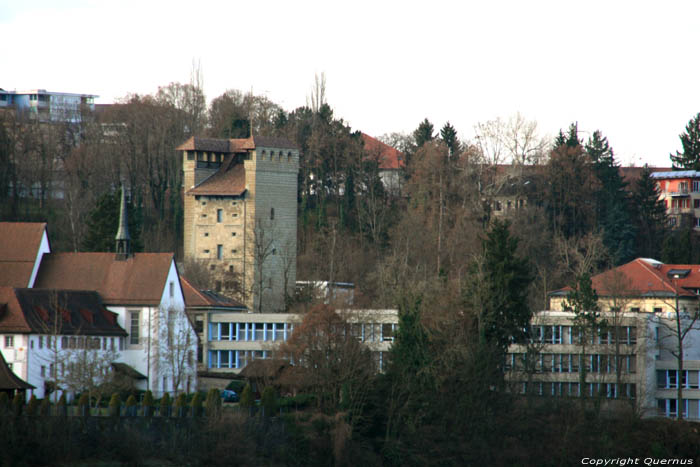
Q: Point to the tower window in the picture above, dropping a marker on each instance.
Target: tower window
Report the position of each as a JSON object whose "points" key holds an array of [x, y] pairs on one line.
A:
{"points": [[206, 234], [272, 214], [219, 252], [233, 234], [219, 215]]}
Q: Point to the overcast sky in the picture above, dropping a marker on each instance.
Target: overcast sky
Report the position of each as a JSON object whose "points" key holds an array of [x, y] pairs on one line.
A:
{"points": [[630, 69]]}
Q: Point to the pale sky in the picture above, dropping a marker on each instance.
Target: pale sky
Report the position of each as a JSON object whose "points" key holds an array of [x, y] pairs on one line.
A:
{"points": [[628, 68]]}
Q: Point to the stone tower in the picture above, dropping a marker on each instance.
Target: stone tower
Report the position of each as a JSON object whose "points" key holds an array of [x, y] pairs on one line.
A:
{"points": [[241, 215]]}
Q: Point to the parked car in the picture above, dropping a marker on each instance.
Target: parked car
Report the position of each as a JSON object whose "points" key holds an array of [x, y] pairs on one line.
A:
{"points": [[228, 395]]}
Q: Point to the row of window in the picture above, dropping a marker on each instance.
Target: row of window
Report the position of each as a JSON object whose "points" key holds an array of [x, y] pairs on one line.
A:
{"points": [[250, 331], [570, 335], [569, 363], [668, 379], [669, 408], [569, 389], [369, 332], [234, 358], [240, 358], [73, 342]]}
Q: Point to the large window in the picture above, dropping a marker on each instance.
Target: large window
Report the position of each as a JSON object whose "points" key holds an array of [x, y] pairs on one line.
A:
{"points": [[219, 252], [134, 327], [219, 215], [9, 341]]}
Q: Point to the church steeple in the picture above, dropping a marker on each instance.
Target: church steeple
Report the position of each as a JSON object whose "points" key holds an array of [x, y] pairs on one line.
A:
{"points": [[122, 238]]}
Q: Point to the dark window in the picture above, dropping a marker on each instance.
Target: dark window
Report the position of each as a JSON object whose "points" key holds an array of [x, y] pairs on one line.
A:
{"points": [[272, 214]]}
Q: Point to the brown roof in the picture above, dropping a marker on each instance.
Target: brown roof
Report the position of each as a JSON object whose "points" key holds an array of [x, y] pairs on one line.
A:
{"points": [[206, 298], [9, 380], [11, 317], [19, 245], [645, 277], [234, 145], [388, 157], [138, 280], [228, 180], [44, 311]]}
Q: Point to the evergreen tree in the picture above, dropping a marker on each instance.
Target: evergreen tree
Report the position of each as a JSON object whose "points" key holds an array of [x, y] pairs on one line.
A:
{"points": [[569, 139], [505, 313], [612, 204], [649, 216], [689, 159], [409, 371], [449, 137], [103, 223], [423, 133], [240, 128]]}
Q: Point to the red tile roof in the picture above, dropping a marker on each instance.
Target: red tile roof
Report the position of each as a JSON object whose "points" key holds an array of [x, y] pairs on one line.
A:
{"points": [[645, 277], [138, 280], [207, 298], [388, 157], [19, 245], [46, 311], [228, 180]]}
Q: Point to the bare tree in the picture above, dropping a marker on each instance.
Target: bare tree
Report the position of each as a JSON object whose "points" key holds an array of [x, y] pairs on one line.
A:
{"points": [[175, 344], [677, 332], [263, 238], [318, 93]]}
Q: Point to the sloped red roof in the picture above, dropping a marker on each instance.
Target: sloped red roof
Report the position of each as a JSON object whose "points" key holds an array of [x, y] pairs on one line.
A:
{"points": [[206, 298], [645, 277], [19, 245], [388, 157], [138, 280], [11, 317], [228, 180], [46, 311]]}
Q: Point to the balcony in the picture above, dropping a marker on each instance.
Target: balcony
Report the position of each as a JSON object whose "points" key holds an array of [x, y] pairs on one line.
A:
{"points": [[683, 193]]}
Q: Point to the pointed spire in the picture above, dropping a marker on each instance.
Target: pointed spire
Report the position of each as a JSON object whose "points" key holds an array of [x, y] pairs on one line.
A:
{"points": [[123, 239]]}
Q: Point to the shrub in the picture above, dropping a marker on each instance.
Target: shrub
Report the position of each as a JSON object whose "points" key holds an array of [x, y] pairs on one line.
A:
{"points": [[247, 399], [33, 406], [131, 406], [197, 405], [84, 405], [4, 403], [181, 405], [269, 401], [45, 407], [165, 405], [17, 404], [61, 407], [114, 405], [148, 404], [213, 403]]}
